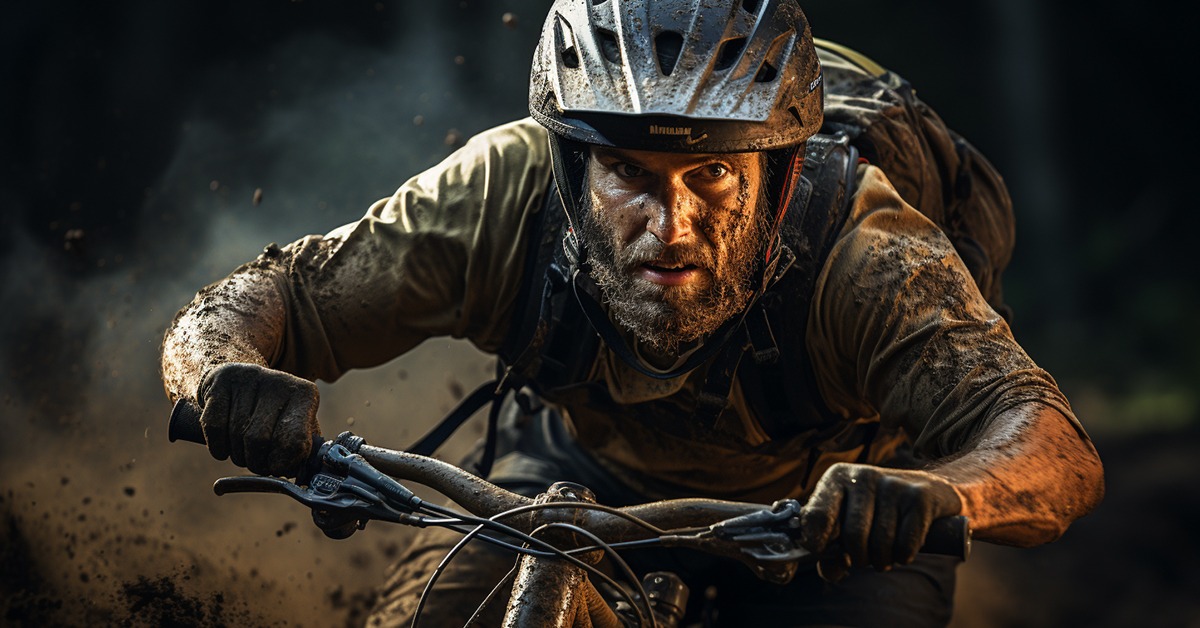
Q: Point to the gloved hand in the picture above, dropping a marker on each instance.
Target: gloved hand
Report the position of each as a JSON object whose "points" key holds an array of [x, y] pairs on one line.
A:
{"points": [[261, 418], [880, 516]]}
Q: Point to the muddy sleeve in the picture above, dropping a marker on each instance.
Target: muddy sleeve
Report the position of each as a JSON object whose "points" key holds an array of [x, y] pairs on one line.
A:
{"points": [[441, 257], [898, 329]]}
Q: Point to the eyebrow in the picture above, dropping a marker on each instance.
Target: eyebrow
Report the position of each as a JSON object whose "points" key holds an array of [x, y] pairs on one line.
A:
{"points": [[630, 156]]}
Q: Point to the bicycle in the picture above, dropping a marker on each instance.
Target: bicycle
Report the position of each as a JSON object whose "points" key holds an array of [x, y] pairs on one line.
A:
{"points": [[559, 536]]}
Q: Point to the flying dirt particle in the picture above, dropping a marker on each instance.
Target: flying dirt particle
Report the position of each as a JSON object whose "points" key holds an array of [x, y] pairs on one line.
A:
{"points": [[257, 200], [64, 480], [455, 387], [161, 603], [350, 420], [402, 374], [360, 559], [418, 120], [129, 491], [288, 526], [453, 137], [73, 240], [214, 185], [459, 60], [509, 19]]}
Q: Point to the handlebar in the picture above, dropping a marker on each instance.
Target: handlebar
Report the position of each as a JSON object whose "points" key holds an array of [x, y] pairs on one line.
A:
{"points": [[343, 475]]}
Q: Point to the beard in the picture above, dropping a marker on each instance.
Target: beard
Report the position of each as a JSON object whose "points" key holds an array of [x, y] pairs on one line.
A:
{"points": [[668, 317]]}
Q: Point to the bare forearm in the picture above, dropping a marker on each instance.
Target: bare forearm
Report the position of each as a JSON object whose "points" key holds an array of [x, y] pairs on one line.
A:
{"points": [[1030, 475], [238, 319]]}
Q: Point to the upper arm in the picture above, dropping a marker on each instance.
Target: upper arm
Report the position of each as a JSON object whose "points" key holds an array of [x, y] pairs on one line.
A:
{"points": [[442, 256], [900, 330]]}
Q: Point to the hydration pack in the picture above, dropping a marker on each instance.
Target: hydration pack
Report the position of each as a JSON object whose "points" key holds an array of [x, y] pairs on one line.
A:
{"points": [[871, 114]]}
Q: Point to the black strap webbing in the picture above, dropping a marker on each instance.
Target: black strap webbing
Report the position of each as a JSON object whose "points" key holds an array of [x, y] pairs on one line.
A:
{"points": [[488, 391]]}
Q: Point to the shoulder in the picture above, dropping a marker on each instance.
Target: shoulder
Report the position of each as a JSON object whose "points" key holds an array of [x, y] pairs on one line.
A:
{"points": [[892, 261], [500, 173], [882, 223], [521, 141]]}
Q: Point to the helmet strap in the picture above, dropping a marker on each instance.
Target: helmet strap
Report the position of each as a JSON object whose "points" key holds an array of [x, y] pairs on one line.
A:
{"points": [[786, 172]]}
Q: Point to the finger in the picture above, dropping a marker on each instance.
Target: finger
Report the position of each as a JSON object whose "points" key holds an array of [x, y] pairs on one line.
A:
{"points": [[858, 515], [819, 516], [910, 531], [268, 409], [292, 438], [881, 545], [241, 414], [214, 421], [833, 567]]}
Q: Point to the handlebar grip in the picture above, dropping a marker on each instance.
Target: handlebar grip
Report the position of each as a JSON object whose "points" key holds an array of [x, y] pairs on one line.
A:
{"points": [[185, 425], [185, 422], [949, 536]]}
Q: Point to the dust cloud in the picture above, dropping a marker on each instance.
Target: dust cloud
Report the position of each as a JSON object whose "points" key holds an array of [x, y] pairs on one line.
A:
{"points": [[102, 521]]}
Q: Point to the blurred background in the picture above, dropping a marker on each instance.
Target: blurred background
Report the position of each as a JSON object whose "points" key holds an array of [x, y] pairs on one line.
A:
{"points": [[151, 147]]}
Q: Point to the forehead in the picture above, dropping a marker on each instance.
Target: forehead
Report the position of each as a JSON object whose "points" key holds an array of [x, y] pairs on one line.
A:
{"points": [[652, 159]]}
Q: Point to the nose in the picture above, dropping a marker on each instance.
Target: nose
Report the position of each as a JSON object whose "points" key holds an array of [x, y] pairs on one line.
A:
{"points": [[670, 214]]}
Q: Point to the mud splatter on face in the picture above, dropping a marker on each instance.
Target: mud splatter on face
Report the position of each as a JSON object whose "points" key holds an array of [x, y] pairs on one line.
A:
{"points": [[728, 237]]}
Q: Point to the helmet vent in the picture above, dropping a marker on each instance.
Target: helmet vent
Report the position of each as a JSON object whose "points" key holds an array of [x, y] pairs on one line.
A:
{"points": [[667, 46], [751, 6], [609, 46], [766, 73], [570, 58], [729, 53], [565, 41], [796, 114]]}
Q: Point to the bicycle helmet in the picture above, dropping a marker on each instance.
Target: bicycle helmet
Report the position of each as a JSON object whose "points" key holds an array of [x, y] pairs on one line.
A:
{"points": [[698, 76]]}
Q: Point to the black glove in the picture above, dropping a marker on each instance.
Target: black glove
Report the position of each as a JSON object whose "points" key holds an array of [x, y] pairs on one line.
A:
{"points": [[880, 516], [261, 418]]}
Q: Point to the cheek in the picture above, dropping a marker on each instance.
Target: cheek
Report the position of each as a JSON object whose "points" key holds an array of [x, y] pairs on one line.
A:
{"points": [[618, 214]]}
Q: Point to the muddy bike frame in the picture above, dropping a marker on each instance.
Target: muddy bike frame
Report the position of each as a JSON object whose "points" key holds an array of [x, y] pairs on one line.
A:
{"points": [[559, 535]]}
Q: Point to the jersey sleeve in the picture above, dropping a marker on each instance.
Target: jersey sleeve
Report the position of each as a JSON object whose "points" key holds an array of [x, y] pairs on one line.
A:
{"points": [[443, 256], [898, 329]]}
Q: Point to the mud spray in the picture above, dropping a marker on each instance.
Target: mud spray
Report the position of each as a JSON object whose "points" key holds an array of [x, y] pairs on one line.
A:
{"points": [[294, 124]]}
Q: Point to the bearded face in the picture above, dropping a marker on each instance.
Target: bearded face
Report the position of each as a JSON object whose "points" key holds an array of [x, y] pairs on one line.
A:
{"points": [[673, 239]]}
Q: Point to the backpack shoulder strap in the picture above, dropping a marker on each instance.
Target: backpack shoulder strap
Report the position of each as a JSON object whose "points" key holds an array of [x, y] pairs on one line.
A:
{"points": [[781, 385]]}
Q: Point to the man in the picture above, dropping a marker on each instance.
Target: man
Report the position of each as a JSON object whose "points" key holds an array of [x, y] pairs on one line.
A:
{"points": [[665, 164]]}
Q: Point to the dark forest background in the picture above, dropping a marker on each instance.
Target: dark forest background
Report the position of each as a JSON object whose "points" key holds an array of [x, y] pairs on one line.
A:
{"points": [[150, 147]]}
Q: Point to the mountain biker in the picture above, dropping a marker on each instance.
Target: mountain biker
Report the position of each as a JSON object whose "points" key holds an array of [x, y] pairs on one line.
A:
{"points": [[662, 157]]}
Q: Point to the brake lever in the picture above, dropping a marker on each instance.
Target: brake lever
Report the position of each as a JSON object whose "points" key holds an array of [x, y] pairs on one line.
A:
{"points": [[762, 540], [345, 494]]}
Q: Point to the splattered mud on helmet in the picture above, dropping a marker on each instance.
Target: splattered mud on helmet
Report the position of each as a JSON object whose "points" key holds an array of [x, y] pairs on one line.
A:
{"points": [[700, 76]]}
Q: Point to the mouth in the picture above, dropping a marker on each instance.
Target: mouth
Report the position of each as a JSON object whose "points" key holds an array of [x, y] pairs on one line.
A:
{"points": [[669, 273]]}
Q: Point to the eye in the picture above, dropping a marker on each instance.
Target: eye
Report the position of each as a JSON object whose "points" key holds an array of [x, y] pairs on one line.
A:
{"points": [[627, 170], [714, 171]]}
